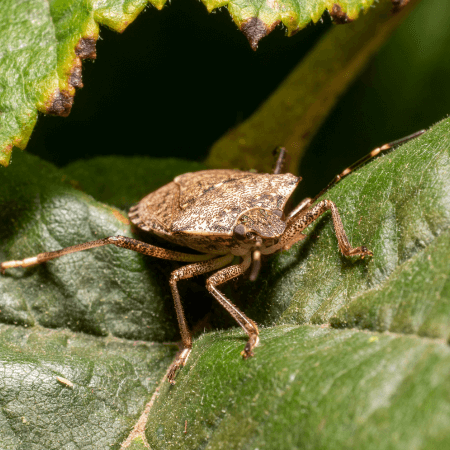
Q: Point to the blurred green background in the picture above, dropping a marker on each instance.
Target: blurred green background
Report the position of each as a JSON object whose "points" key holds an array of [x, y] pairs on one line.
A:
{"points": [[179, 78]]}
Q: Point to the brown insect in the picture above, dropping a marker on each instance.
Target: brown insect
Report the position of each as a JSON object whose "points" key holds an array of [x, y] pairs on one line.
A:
{"points": [[222, 214]]}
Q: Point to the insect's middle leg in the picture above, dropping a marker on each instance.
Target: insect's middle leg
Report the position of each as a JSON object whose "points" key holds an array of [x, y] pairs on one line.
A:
{"points": [[293, 232], [183, 273], [247, 324]]}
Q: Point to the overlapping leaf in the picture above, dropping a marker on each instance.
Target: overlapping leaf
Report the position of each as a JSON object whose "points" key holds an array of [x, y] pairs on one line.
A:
{"points": [[42, 44], [258, 18]]}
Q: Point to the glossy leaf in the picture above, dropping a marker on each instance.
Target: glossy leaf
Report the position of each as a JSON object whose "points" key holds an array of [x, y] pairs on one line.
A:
{"points": [[65, 390], [308, 386]]}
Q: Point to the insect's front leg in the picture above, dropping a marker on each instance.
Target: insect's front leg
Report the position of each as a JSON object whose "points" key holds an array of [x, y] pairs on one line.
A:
{"points": [[183, 273], [297, 223], [293, 232], [247, 324]]}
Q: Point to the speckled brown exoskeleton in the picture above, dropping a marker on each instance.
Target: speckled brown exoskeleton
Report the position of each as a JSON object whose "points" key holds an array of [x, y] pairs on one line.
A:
{"points": [[222, 214]]}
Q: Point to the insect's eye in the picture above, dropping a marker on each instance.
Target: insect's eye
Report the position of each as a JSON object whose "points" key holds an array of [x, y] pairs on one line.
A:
{"points": [[240, 231]]}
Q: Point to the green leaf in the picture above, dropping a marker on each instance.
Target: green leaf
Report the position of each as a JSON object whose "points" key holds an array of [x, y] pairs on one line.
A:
{"points": [[399, 207], [309, 385], [42, 44], [65, 390]]}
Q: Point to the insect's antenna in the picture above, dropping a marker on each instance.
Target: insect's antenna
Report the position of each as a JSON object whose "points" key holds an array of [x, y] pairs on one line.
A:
{"points": [[364, 159], [279, 164], [256, 260]]}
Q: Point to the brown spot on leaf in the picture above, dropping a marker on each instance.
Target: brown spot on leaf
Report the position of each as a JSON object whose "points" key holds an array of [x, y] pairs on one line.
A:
{"points": [[339, 16], [60, 104], [86, 48], [397, 5], [76, 79], [254, 30]]}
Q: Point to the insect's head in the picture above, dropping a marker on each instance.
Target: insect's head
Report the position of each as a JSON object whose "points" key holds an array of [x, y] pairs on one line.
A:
{"points": [[260, 222], [256, 228]]}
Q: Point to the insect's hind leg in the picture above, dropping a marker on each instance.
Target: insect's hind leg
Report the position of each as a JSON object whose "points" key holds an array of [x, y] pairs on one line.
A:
{"points": [[247, 324], [183, 273], [119, 241], [375, 152]]}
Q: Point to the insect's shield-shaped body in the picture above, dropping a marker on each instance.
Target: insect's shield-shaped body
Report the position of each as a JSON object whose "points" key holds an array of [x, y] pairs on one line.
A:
{"points": [[218, 211]]}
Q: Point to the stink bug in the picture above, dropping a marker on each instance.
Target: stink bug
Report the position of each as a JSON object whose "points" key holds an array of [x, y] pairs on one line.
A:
{"points": [[222, 214]]}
